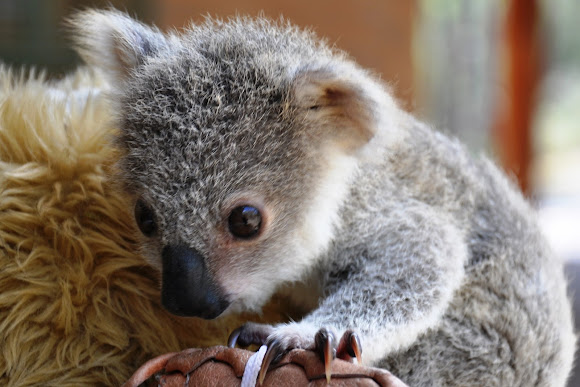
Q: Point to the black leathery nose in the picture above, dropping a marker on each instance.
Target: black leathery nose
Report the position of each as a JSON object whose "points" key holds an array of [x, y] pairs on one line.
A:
{"points": [[187, 288]]}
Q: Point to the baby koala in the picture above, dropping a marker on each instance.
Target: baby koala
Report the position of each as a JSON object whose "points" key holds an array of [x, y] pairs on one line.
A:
{"points": [[263, 161]]}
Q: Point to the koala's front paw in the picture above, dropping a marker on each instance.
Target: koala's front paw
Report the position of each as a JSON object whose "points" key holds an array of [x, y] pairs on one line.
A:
{"points": [[282, 339]]}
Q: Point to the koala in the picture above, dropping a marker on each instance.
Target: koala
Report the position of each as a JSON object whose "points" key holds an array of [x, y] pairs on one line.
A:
{"points": [[263, 161]]}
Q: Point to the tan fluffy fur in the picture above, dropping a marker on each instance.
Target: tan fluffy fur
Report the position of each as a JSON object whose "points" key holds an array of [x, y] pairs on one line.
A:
{"points": [[78, 305]]}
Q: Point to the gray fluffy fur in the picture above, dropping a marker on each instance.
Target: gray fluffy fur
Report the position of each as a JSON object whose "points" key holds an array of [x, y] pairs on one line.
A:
{"points": [[375, 222]]}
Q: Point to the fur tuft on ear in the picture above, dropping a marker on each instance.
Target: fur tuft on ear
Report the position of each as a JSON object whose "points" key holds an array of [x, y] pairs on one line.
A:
{"points": [[341, 105], [114, 42]]}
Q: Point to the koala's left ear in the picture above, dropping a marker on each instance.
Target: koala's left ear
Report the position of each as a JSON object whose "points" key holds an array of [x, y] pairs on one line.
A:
{"points": [[114, 42], [343, 108]]}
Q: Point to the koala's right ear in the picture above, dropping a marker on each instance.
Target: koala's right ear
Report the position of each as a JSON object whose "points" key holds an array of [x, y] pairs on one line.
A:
{"points": [[335, 101], [114, 42]]}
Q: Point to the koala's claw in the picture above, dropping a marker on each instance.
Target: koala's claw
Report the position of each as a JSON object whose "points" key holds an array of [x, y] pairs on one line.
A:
{"points": [[274, 352], [325, 345], [233, 339], [349, 347], [250, 333]]}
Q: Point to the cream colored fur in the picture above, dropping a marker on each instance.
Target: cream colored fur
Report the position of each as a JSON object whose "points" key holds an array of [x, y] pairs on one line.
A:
{"points": [[78, 306]]}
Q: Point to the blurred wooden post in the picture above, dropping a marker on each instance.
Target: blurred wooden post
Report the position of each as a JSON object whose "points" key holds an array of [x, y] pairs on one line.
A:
{"points": [[522, 74]]}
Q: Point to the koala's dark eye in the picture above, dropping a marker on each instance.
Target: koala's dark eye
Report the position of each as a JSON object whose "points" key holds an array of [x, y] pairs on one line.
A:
{"points": [[145, 218], [245, 221]]}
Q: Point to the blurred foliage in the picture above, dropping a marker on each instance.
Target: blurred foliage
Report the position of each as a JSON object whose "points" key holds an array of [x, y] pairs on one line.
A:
{"points": [[561, 18], [558, 116], [557, 122], [457, 66]]}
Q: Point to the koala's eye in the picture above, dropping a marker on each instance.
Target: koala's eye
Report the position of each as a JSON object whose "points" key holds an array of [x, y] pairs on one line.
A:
{"points": [[245, 221], [145, 218]]}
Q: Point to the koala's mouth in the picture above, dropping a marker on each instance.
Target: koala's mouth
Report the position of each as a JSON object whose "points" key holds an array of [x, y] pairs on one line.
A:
{"points": [[187, 289]]}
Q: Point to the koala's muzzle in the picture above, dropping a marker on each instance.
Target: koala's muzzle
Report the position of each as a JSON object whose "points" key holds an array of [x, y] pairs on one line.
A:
{"points": [[187, 288]]}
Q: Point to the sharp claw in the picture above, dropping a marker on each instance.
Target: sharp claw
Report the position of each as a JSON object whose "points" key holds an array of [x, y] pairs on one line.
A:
{"points": [[349, 347], [356, 347], [328, 357], [271, 353], [232, 340], [324, 342]]}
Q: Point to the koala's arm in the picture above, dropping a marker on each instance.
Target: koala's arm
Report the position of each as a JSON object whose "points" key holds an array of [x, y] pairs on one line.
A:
{"points": [[398, 284]]}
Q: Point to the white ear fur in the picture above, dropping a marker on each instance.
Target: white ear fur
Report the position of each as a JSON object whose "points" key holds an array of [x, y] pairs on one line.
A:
{"points": [[114, 42], [341, 104]]}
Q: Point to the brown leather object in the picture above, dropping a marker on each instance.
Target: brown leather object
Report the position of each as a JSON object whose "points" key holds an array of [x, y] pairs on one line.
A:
{"points": [[225, 366]]}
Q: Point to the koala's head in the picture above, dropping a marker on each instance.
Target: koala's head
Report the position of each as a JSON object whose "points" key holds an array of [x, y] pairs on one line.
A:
{"points": [[239, 140]]}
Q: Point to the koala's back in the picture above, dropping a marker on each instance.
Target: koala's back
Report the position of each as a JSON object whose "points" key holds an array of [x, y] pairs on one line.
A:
{"points": [[505, 318], [511, 314]]}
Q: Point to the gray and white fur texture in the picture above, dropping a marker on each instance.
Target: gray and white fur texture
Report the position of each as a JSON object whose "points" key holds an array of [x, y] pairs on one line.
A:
{"points": [[266, 162]]}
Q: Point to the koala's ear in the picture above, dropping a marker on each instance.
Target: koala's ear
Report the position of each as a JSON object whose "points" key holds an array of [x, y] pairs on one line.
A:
{"points": [[346, 110], [114, 42]]}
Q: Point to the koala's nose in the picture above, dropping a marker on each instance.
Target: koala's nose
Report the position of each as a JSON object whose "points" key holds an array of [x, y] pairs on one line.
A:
{"points": [[187, 289]]}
